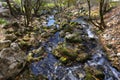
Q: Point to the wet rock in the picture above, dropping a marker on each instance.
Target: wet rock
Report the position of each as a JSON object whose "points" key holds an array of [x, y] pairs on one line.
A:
{"points": [[118, 54], [4, 44], [12, 61], [73, 38], [28, 75], [79, 73], [9, 31]]}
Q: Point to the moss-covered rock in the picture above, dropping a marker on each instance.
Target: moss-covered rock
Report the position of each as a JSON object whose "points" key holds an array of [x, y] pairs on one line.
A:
{"points": [[93, 74], [73, 38], [23, 44], [26, 37], [36, 54], [69, 54], [11, 37], [12, 61], [4, 44], [73, 32], [82, 57]]}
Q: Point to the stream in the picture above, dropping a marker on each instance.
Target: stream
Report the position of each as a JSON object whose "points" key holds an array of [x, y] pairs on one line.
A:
{"points": [[51, 67]]}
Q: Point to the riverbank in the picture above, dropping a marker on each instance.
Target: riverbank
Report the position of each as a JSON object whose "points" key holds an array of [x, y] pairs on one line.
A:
{"points": [[111, 36]]}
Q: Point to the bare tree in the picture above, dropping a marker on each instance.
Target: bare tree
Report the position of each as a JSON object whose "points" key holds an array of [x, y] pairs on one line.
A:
{"points": [[102, 7], [28, 11]]}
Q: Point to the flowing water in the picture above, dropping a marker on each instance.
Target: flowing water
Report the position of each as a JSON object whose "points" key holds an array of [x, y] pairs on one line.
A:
{"points": [[51, 67]]}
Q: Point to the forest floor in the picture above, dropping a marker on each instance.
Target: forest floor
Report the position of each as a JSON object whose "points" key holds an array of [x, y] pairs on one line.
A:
{"points": [[110, 37]]}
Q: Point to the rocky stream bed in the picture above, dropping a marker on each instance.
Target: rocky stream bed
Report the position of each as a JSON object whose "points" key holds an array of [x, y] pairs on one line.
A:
{"points": [[68, 52]]}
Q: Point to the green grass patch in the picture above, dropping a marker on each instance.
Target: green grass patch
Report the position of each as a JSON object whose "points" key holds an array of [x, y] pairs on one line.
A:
{"points": [[3, 21], [51, 5], [114, 3], [17, 2]]}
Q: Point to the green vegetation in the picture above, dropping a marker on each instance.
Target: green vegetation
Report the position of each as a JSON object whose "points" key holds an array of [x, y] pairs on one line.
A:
{"points": [[52, 5], [114, 4], [3, 21]]}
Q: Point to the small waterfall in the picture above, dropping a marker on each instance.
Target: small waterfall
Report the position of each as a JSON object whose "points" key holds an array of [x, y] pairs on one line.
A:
{"points": [[51, 20]]}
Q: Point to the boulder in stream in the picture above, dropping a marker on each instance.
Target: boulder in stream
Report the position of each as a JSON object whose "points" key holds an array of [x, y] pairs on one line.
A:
{"points": [[68, 54]]}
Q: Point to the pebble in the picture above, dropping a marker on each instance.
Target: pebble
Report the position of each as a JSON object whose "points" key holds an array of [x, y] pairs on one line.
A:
{"points": [[107, 36], [118, 54]]}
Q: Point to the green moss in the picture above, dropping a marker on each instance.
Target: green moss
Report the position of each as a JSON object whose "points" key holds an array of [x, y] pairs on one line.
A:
{"points": [[114, 3], [89, 77], [49, 5], [93, 74], [63, 59]]}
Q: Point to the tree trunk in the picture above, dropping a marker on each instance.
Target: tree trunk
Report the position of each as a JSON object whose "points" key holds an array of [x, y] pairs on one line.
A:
{"points": [[28, 11], [101, 13], [37, 6], [105, 6], [89, 8], [10, 8]]}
